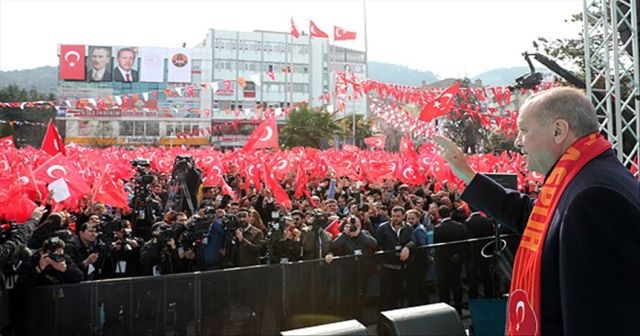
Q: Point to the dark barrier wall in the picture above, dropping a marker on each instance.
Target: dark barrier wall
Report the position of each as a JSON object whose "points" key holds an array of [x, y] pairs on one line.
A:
{"points": [[254, 300]]}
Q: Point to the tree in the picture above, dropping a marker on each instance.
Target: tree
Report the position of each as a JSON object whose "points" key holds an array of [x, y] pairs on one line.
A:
{"points": [[363, 128], [308, 127], [29, 124]]}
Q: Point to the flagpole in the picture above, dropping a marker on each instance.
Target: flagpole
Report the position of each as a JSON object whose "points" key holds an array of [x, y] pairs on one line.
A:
{"points": [[310, 67], [366, 58]]}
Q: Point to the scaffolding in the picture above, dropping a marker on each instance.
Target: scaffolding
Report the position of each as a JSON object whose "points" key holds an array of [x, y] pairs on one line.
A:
{"points": [[612, 73]]}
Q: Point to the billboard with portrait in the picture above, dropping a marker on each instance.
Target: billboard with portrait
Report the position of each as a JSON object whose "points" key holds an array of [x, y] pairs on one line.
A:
{"points": [[125, 67], [99, 64]]}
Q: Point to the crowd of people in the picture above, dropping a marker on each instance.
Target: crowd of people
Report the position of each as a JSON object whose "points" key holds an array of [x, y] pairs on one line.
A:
{"points": [[587, 212], [341, 217]]}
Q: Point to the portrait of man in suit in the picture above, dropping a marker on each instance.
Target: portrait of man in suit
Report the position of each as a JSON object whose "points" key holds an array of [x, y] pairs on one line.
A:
{"points": [[99, 64], [124, 71]]}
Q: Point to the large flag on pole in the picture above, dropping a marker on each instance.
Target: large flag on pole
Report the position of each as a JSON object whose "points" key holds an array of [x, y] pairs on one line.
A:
{"points": [[294, 29], [339, 34], [314, 31]]}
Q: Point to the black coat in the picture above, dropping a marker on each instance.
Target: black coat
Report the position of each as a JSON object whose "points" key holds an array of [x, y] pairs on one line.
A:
{"points": [[591, 254], [447, 231], [8, 250]]}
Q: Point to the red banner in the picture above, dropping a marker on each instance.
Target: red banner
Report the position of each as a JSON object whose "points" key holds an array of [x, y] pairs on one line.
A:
{"points": [[72, 61]]}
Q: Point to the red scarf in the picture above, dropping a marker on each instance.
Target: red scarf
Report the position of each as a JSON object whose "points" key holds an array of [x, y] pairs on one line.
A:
{"points": [[523, 311]]}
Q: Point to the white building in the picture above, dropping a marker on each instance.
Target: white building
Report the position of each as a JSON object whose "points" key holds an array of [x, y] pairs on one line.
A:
{"points": [[279, 72]]}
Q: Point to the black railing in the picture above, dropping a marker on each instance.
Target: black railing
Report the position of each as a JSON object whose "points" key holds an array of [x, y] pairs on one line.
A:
{"points": [[254, 300]]}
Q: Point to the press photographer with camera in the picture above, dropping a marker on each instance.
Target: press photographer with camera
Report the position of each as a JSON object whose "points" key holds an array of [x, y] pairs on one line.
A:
{"points": [[316, 242], [207, 224], [84, 249], [13, 239], [289, 247], [124, 252], [183, 188], [146, 207], [248, 241], [49, 266], [159, 255], [353, 240]]}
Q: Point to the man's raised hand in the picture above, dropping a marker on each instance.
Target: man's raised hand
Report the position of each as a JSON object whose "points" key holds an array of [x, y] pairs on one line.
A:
{"points": [[455, 158]]}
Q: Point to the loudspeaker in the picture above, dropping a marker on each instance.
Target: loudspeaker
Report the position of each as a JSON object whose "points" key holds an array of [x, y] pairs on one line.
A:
{"points": [[344, 328], [433, 319], [506, 180]]}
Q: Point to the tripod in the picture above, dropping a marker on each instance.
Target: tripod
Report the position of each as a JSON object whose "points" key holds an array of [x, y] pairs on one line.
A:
{"points": [[179, 197]]}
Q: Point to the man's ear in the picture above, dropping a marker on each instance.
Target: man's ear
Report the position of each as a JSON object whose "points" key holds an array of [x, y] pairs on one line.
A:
{"points": [[560, 131]]}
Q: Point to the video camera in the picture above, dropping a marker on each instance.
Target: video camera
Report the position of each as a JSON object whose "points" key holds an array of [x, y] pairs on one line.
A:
{"points": [[231, 224], [182, 165]]}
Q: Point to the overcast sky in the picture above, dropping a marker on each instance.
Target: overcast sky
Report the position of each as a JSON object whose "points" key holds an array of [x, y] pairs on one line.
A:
{"points": [[449, 38]]}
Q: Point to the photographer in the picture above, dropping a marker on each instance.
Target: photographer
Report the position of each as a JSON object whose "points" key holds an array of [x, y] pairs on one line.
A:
{"points": [[316, 242], [159, 255], [213, 251], [353, 240], [289, 247], [49, 266], [85, 248], [185, 182], [14, 239], [123, 258], [248, 240]]}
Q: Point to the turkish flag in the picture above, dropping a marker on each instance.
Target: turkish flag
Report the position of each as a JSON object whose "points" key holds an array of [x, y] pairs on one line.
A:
{"points": [[441, 105], [315, 31], [52, 141], [6, 142], [59, 166], [279, 193], [111, 192], [294, 29], [376, 141], [340, 34], [72, 61], [264, 136], [15, 205]]}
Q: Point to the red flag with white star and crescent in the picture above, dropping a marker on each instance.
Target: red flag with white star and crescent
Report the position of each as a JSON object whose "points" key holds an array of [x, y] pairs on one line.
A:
{"points": [[314, 31], [441, 105], [72, 61]]}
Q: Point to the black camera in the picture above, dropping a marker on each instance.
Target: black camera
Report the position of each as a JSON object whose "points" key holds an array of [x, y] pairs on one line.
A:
{"points": [[352, 226], [320, 218], [230, 222], [51, 245], [182, 165], [138, 162]]}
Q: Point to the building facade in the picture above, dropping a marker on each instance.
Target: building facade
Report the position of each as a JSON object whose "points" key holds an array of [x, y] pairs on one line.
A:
{"points": [[233, 77]]}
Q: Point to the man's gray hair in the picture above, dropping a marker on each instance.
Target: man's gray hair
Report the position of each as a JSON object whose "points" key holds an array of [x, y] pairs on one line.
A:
{"points": [[569, 104]]}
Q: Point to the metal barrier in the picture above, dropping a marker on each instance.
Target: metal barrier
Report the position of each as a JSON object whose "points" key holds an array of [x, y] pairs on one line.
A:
{"points": [[254, 300]]}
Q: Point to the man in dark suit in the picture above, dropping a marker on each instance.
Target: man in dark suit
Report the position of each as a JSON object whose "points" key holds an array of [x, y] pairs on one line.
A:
{"points": [[478, 267], [124, 71], [449, 259], [584, 226], [100, 60], [249, 241]]}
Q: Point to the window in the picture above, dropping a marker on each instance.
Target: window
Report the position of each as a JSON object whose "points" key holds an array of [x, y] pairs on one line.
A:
{"points": [[153, 128], [126, 128]]}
